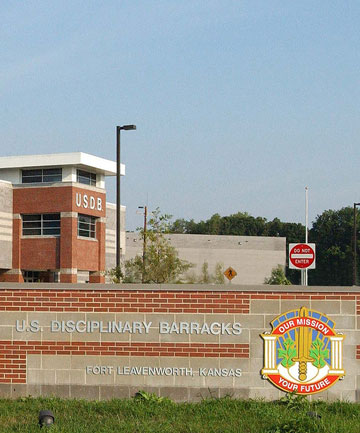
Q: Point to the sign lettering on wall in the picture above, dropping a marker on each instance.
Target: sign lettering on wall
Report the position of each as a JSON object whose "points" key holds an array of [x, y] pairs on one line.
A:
{"points": [[171, 328], [121, 327], [303, 353], [107, 370], [88, 201]]}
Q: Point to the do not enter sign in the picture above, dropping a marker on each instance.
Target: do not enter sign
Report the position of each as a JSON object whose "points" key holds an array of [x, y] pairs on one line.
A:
{"points": [[302, 256]]}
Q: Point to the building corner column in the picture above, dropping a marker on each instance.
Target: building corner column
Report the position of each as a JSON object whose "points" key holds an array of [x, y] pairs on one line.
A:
{"points": [[14, 275], [99, 275], [68, 256]]}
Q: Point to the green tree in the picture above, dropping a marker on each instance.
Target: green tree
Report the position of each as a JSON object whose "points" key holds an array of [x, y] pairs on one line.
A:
{"points": [[332, 232], [219, 277], [277, 277], [205, 276], [240, 223], [179, 226], [115, 275], [162, 264]]}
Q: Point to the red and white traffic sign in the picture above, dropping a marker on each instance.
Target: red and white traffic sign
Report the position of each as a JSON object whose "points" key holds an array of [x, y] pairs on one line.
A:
{"points": [[302, 256]]}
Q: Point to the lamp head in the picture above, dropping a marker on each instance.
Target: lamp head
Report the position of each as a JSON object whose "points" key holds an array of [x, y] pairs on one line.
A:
{"points": [[46, 418], [128, 127]]}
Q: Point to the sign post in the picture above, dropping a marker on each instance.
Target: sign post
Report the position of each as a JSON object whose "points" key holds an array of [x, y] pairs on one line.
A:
{"points": [[302, 256]]}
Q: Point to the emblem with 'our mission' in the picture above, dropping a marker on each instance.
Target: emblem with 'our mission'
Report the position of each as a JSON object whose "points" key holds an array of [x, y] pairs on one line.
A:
{"points": [[303, 353]]}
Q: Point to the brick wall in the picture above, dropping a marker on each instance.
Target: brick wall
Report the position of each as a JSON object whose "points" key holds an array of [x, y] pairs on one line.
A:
{"points": [[54, 199], [53, 362], [46, 256], [155, 301], [132, 301]]}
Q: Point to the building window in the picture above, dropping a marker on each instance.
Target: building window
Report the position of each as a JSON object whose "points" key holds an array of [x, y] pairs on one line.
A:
{"points": [[86, 177], [42, 175], [31, 276], [86, 226], [47, 224]]}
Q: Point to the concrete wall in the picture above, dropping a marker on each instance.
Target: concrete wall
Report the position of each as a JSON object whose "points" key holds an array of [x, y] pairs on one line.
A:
{"points": [[6, 223], [252, 257], [62, 362], [110, 246], [12, 175]]}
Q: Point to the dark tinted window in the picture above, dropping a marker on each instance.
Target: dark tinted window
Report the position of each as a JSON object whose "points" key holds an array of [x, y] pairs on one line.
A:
{"points": [[52, 175], [41, 225], [42, 175], [86, 177], [31, 276], [86, 226]]}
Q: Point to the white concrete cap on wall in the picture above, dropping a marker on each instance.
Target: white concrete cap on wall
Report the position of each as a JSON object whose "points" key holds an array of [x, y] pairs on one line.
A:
{"points": [[77, 159]]}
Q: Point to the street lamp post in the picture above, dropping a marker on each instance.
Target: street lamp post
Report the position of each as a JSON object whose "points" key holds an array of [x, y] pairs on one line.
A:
{"points": [[118, 204], [355, 252]]}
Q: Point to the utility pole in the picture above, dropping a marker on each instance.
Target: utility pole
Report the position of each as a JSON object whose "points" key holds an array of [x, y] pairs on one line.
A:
{"points": [[144, 242]]}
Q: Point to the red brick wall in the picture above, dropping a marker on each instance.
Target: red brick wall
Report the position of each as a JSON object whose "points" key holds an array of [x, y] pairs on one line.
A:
{"points": [[16, 247], [87, 254], [100, 235], [40, 253], [68, 253], [150, 301], [54, 199], [124, 301], [43, 200]]}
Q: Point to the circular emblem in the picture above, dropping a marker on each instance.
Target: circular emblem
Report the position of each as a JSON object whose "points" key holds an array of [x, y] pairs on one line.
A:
{"points": [[303, 353]]}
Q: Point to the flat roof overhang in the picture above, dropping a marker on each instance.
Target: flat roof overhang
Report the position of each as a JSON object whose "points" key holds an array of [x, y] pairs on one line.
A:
{"points": [[75, 159]]}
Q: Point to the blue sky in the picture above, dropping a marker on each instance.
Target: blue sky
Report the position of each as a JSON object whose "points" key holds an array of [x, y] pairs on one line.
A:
{"points": [[238, 104]]}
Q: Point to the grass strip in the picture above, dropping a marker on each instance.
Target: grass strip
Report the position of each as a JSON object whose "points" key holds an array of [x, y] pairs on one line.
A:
{"points": [[153, 415]]}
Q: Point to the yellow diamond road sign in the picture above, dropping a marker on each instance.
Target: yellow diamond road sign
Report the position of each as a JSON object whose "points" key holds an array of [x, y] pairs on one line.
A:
{"points": [[230, 273]]}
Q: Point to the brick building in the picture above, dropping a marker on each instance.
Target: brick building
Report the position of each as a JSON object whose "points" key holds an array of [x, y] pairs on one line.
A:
{"points": [[53, 217]]}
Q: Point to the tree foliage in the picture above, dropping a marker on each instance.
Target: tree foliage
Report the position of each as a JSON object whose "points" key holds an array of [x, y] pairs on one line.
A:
{"points": [[277, 277], [205, 277], [115, 274], [240, 224], [332, 232], [162, 264]]}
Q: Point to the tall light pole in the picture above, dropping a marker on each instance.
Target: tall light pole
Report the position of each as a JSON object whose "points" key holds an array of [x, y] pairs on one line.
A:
{"points": [[118, 204], [355, 242]]}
